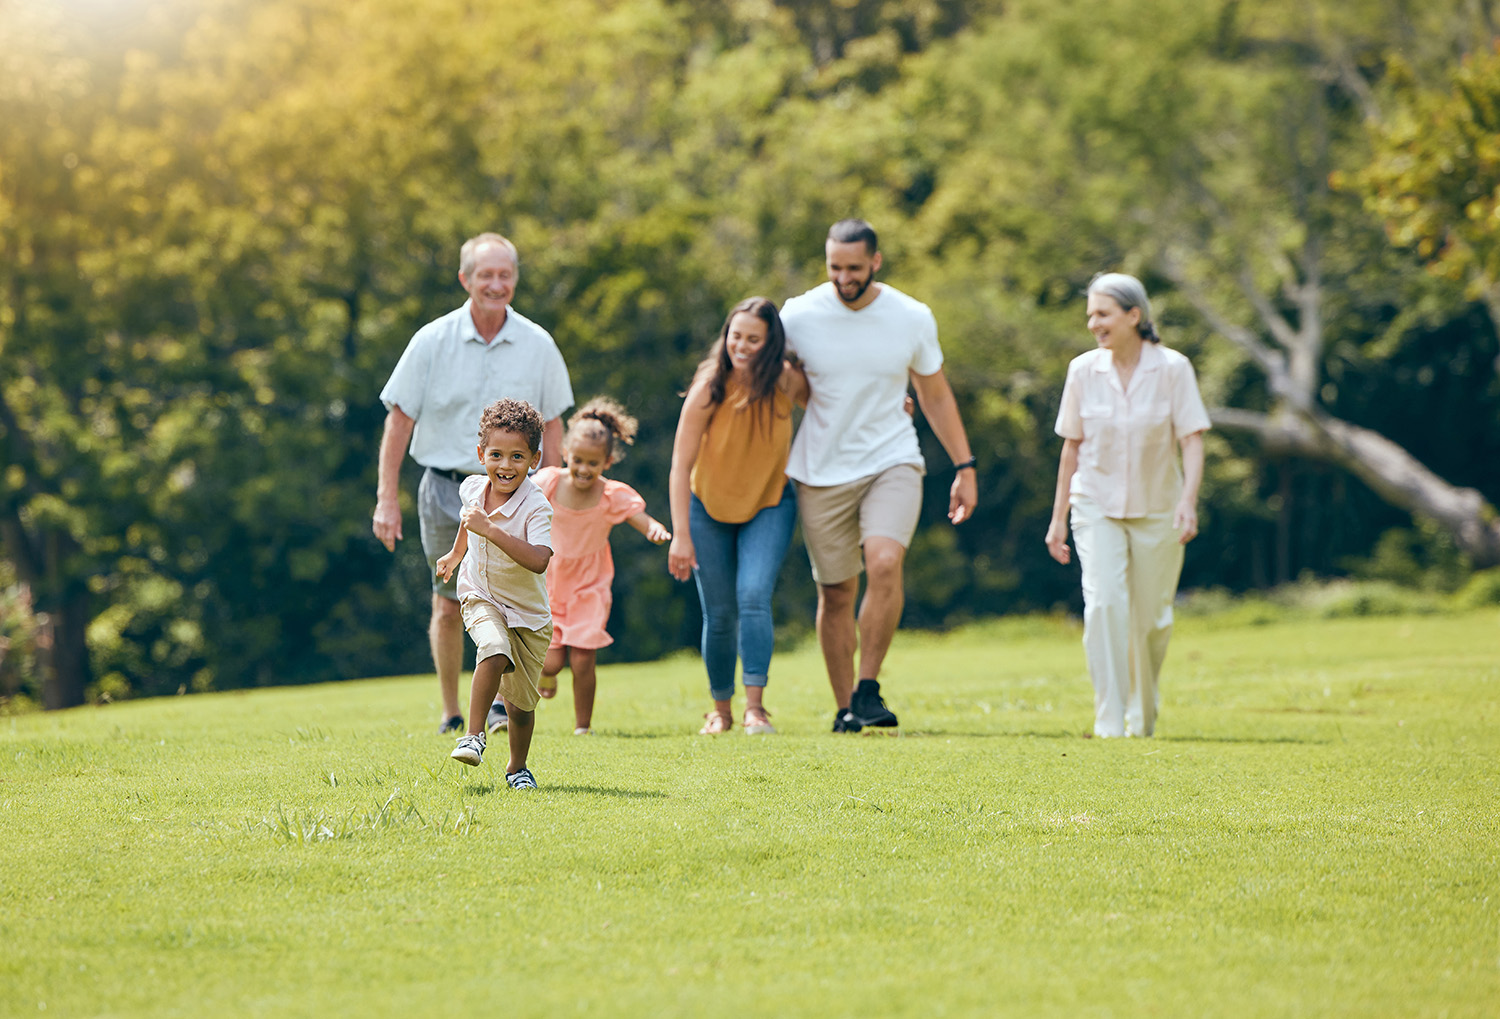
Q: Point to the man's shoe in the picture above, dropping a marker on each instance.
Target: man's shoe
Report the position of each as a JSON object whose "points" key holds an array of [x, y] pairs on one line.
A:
{"points": [[497, 719], [470, 749], [453, 724], [868, 707], [844, 722], [522, 779]]}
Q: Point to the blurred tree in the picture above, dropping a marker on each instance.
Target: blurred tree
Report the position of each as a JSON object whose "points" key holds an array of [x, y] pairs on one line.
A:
{"points": [[221, 222], [1435, 174]]}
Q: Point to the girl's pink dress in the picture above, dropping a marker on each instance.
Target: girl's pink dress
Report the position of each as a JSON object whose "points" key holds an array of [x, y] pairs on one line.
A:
{"points": [[582, 569]]}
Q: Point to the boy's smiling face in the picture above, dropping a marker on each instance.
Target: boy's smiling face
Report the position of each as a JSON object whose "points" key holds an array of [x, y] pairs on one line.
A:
{"points": [[507, 457]]}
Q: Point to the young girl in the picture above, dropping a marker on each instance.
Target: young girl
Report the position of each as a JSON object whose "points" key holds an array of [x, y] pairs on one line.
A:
{"points": [[732, 507], [586, 506]]}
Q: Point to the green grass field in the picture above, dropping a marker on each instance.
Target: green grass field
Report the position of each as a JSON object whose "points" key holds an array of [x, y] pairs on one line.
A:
{"points": [[1313, 832]]}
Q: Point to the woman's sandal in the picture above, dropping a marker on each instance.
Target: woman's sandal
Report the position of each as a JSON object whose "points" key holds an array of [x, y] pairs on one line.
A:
{"points": [[758, 723], [715, 723]]}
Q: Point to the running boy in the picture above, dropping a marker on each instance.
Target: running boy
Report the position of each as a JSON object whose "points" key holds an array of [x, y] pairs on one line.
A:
{"points": [[502, 590]]}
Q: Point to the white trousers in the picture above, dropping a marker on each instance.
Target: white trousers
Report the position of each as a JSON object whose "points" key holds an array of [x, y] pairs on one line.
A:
{"points": [[1130, 572]]}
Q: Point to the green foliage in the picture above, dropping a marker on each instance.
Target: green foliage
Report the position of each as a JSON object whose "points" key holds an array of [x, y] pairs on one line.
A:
{"points": [[1312, 832], [1482, 589], [1423, 557], [1435, 174], [20, 686], [220, 224]]}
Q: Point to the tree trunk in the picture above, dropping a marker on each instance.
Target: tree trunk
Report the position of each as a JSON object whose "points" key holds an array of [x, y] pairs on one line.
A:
{"points": [[1393, 473], [67, 675]]}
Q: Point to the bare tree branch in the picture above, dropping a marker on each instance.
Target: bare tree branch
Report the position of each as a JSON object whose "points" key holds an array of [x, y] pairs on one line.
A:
{"points": [[1390, 471], [1280, 328], [1270, 360]]}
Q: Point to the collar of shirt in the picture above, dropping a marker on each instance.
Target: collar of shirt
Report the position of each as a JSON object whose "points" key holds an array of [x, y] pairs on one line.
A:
{"points": [[469, 331], [1151, 360], [510, 506]]}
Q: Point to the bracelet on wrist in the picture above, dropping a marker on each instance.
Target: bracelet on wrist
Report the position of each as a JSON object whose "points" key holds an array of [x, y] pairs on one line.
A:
{"points": [[972, 464]]}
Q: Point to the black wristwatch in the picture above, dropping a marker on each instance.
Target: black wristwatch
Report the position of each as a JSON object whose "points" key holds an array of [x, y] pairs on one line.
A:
{"points": [[972, 464]]}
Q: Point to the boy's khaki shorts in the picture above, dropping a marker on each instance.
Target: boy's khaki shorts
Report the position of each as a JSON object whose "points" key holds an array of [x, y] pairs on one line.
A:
{"points": [[526, 649], [839, 519]]}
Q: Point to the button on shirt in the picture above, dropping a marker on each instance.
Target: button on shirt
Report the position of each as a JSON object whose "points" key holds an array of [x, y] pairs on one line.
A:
{"points": [[490, 575], [1126, 460], [448, 375]]}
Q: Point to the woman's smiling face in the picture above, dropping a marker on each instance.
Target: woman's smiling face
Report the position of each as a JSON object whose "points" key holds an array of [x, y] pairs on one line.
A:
{"points": [[1111, 324], [744, 340]]}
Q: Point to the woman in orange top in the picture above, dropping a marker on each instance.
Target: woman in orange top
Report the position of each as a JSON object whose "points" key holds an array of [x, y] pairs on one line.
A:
{"points": [[732, 508]]}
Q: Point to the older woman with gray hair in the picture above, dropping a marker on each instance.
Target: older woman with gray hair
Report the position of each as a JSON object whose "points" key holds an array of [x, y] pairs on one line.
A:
{"points": [[1124, 406]]}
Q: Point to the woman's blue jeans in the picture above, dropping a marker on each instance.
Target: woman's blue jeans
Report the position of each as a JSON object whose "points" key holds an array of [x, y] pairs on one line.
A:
{"points": [[736, 575]]}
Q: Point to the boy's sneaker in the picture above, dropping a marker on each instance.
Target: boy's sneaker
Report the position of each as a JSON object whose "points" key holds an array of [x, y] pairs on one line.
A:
{"points": [[470, 748], [497, 719], [868, 707], [454, 723], [844, 722], [522, 779]]}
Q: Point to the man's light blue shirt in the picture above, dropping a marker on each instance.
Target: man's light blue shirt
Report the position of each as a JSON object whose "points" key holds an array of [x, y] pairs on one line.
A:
{"points": [[448, 375]]}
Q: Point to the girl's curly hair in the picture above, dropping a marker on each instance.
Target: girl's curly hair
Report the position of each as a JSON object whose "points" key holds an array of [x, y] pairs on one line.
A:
{"points": [[512, 416], [605, 422]]}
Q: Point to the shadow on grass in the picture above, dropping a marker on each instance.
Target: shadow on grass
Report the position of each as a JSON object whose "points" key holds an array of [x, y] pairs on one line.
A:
{"points": [[1243, 739], [582, 790], [602, 790], [1071, 735]]}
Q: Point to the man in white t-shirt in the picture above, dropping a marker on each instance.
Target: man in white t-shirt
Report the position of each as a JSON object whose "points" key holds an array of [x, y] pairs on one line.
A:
{"points": [[452, 369], [856, 459]]}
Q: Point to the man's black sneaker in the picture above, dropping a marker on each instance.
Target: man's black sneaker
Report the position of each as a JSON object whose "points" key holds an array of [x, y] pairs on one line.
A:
{"points": [[844, 722], [867, 707], [454, 724]]}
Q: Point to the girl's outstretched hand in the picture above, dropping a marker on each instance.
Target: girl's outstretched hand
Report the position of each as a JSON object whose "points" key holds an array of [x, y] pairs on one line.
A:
{"points": [[681, 561], [656, 533]]}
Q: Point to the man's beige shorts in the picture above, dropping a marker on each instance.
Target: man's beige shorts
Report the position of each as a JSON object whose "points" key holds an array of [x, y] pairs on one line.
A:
{"points": [[526, 649], [839, 519]]}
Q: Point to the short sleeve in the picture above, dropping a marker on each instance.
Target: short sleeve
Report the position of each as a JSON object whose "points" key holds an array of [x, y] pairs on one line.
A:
{"points": [[471, 490], [546, 479], [556, 388], [1188, 413], [1069, 420], [791, 323], [407, 386], [539, 525], [927, 357], [621, 502]]}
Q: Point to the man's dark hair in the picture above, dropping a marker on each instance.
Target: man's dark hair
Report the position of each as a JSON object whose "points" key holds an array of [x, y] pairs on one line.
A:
{"points": [[853, 231]]}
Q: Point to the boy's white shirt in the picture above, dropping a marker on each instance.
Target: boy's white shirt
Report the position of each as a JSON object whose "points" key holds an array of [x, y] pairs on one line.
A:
{"points": [[488, 574], [858, 365]]}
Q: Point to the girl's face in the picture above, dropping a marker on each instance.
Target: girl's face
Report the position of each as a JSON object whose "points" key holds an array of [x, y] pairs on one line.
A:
{"points": [[507, 457], [1113, 327], [587, 460], [745, 340]]}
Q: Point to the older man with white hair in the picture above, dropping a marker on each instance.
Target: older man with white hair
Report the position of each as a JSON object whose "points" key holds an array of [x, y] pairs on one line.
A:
{"points": [[452, 369]]}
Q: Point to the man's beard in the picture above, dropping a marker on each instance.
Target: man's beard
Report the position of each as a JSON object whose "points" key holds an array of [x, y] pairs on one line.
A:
{"points": [[858, 293]]}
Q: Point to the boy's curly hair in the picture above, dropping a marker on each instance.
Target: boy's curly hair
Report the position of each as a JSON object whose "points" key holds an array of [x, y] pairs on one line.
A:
{"points": [[604, 421], [512, 416]]}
